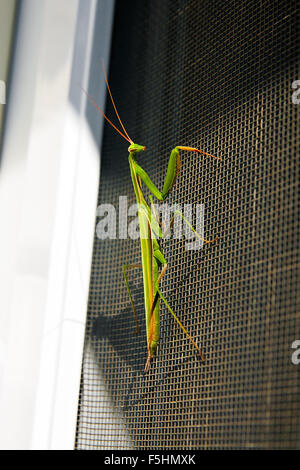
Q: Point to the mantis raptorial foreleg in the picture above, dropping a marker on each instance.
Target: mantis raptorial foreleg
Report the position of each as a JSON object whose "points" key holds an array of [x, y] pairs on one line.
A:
{"points": [[172, 172], [125, 268]]}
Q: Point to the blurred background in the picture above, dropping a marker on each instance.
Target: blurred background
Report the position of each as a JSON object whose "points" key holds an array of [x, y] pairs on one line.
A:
{"points": [[212, 74]]}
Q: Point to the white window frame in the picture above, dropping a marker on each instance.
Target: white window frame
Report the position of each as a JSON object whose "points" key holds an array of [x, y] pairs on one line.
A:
{"points": [[49, 181]]}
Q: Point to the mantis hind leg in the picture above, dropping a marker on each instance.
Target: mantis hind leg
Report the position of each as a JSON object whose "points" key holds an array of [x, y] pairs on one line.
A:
{"points": [[159, 294], [180, 324], [125, 268]]}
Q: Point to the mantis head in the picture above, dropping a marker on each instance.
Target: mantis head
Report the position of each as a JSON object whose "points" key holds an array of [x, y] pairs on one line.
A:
{"points": [[133, 148]]}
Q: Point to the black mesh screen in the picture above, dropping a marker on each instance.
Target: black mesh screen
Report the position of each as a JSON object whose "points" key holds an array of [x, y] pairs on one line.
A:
{"points": [[218, 76]]}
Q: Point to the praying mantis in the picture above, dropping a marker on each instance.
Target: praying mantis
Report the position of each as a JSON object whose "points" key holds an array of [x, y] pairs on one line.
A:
{"points": [[152, 258]]}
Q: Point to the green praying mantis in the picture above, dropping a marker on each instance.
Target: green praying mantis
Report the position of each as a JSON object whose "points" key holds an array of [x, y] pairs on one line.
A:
{"points": [[153, 262]]}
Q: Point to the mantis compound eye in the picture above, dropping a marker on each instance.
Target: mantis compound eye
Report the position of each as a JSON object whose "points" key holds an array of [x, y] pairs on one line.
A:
{"points": [[136, 148]]}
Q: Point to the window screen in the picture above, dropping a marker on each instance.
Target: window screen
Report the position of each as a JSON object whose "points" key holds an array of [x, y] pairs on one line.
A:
{"points": [[218, 76]]}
